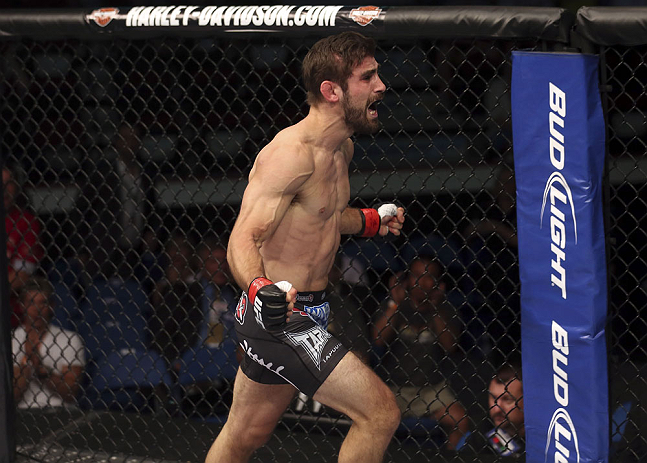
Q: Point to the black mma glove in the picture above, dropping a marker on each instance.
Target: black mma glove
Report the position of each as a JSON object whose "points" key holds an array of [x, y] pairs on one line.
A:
{"points": [[270, 306]]}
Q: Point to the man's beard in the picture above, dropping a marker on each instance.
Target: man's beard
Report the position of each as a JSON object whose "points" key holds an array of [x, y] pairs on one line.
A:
{"points": [[357, 120]]}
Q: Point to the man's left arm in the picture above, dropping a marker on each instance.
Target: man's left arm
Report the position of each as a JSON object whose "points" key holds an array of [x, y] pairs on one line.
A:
{"points": [[370, 222]]}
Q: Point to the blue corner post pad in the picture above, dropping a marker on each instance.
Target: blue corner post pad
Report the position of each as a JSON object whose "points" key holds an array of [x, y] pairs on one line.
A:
{"points": [[559, 154]]}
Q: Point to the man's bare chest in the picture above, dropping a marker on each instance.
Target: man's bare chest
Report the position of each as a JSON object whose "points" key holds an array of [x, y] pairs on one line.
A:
{"points": [[327, 191]]}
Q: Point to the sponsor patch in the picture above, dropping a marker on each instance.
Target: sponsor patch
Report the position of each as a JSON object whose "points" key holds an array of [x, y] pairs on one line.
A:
{"points": [[557, 192], [319, 313], [241, 308], [103, 16], [502, 442], [305, 297], [561, 438], [365, 14], [258, 308], [269, 365]]}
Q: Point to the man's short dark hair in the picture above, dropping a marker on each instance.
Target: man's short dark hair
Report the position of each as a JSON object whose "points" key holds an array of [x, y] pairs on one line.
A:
{"points": [[507, 372], [333, 58]]}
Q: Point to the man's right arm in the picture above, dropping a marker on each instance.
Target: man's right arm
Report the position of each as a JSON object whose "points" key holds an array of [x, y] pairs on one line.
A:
{"points": [[274, 182]]}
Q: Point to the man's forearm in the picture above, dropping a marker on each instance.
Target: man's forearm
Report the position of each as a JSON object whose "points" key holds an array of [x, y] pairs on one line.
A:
{"points": [[351, 221], [245, 261]]}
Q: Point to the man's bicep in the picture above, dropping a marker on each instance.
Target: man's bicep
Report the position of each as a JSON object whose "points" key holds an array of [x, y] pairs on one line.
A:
{"points": [[269, 194], [261, 210]]}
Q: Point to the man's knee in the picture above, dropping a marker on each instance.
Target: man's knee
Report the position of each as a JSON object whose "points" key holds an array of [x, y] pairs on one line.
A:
{"points": [[255, 437], [392, 411], [385, 413], [247, 437]]}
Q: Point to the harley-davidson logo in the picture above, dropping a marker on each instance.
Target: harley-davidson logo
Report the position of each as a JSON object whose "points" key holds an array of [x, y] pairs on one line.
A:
{"points": [[365, 14], [103, 16]]}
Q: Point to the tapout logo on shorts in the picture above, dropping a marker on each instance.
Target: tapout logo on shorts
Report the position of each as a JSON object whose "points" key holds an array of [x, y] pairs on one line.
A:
{"points": [[557, 190], [561, 438], [313, 341], [332, 351]]}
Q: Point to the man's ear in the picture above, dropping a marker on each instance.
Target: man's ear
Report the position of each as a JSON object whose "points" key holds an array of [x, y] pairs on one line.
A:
{"points": [[330, 91]]}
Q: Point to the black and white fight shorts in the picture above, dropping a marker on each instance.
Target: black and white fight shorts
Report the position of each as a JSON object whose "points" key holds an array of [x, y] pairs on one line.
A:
{"points": [[303, 354]]}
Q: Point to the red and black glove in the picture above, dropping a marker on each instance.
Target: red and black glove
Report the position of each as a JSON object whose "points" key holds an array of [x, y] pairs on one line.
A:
{"points": [[372, 219], [269, 301]]}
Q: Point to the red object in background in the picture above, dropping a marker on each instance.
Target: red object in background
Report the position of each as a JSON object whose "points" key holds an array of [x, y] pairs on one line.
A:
{"points": [[23, 250]]}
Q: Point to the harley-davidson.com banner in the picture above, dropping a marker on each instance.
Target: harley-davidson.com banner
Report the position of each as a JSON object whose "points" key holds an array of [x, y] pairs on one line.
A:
{"points": [[237, 18]]}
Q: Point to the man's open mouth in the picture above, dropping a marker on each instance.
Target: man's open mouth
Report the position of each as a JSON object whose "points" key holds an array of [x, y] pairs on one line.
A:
{"points": [[372, 109]]}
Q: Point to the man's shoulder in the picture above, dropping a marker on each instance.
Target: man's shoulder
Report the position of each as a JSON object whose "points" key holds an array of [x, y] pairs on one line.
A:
{"points": [[286, 150]]}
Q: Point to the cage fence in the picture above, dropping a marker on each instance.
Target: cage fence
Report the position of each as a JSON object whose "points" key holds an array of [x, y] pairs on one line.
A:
{"points": [[125, 164]]}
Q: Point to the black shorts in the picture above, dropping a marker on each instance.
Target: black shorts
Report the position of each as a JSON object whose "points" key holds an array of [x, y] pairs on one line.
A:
{"points": [[303, 354]]}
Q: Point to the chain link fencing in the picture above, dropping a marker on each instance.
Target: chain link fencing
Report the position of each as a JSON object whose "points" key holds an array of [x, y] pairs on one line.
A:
{"points": [[126, 163], [624, 77]]}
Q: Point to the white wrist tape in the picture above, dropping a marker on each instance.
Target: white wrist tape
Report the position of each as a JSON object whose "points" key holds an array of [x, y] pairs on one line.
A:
{"points": [[387, 210], [284, 285]]}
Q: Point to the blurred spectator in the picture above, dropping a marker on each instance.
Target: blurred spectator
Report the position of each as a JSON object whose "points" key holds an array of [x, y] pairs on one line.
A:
{"points": [[24, 251], [506, 413], [348, 321], [505, 407], [208, 365], [501, 219], [493, 283], [220, 297], [114, 204], [48, 360], [176, 303], [152, 259], [418, 329], [71, 272]]}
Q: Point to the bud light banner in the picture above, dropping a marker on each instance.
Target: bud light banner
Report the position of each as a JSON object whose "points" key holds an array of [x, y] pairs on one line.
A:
{"points": [[559, 151]]}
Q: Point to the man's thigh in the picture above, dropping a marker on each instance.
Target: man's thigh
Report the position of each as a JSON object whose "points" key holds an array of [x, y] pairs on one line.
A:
{"points": [[258, 405], [353, 389]]}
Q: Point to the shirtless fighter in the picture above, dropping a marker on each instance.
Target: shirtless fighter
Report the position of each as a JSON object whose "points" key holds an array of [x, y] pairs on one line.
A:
{"points": [[281, 249]]}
